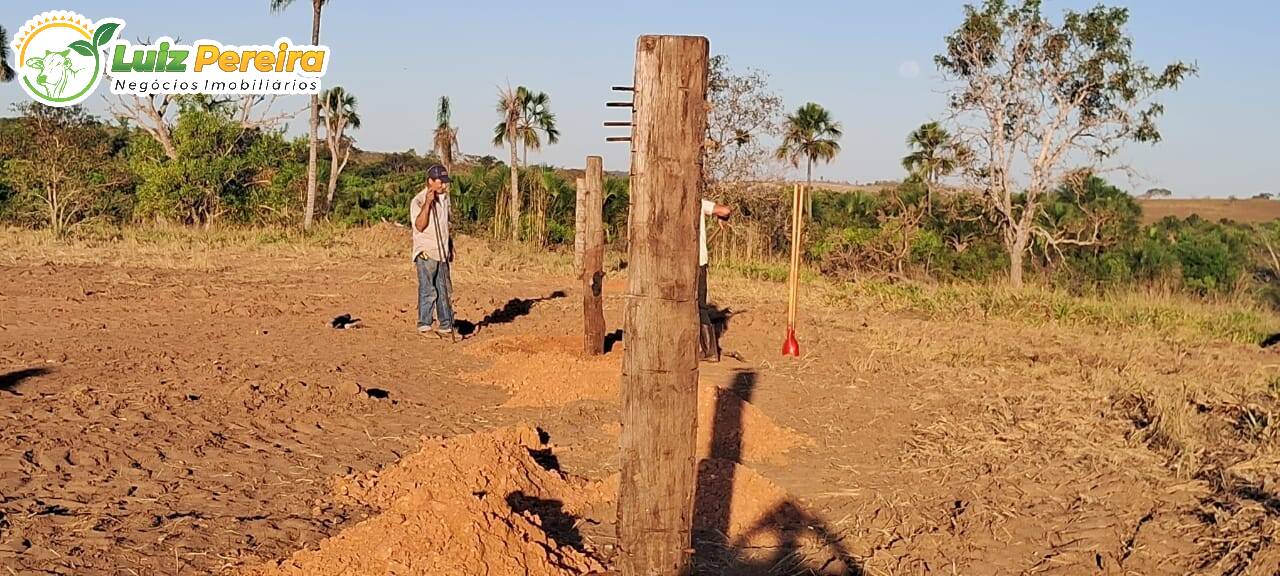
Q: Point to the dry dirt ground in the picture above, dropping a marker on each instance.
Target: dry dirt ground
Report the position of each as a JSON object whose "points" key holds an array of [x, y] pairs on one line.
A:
{"points": [[175, 419]]}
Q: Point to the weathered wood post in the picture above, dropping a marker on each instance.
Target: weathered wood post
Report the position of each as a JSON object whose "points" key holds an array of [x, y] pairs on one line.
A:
{"points": [[579, 240], [660, 364], [592, 230]]}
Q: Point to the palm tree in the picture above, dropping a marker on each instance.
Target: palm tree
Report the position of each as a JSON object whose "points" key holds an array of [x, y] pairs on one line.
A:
{"points": [[339, 114], [510, 110], [811, 135], [535, 116], [316, 7], [934, 155], [6, 73], [445, 139]]}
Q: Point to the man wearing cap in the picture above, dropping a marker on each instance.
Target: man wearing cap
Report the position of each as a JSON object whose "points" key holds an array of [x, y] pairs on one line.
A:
{"points": [[432, 252]]}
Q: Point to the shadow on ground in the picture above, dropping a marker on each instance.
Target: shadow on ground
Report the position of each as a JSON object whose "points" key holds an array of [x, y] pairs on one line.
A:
{"points": [[9, 381], [509, 312], [800, 542]]}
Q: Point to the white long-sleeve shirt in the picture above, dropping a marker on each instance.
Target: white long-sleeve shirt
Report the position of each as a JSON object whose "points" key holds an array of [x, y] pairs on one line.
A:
{"points": [[708, 208], [436, 247]]}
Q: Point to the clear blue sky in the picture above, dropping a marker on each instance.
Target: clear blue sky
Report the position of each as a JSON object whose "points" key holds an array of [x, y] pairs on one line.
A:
{"points": [[850, 56]]}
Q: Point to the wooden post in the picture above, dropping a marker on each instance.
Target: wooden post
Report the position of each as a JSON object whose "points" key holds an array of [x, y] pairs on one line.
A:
{"points": [[592, 231], [660, 364], [579, 239]]}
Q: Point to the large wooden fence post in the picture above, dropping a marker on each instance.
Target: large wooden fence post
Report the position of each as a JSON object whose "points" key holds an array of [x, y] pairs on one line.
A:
{"points": [[660, 364], [579, 240], [592, 231]]}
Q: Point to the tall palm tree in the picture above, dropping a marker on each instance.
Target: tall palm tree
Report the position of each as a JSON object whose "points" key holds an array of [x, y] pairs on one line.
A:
{"points": [[535, 117], [811, 135], [934, 155], [510, 109], [6, 73], [317, 6], [339, 114], [445, 139]]}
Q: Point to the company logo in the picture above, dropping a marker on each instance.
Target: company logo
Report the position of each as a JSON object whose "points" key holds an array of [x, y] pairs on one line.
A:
{"points": [[63, 56], [59, 56]]}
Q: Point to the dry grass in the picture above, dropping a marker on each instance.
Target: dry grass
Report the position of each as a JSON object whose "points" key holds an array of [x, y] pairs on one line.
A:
{"points": [[1167, 314], [1140, 433], [1212, 209], [177, 247], [187, 248]]}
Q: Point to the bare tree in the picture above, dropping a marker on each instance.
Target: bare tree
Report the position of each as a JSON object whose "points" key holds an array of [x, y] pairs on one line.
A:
{"points": [[258, 111], [744, 114], [156, 114], [1037, 101]]}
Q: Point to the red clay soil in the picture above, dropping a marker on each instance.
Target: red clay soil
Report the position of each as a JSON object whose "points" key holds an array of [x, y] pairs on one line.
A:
{"points": [[486, 503], [202, 421], [473, 504], [552, 371], [547, 371], [742, 432], [745, 524]]}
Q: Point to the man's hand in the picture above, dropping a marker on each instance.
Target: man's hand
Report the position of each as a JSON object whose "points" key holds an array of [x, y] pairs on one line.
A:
{"points": [[722, 212]]}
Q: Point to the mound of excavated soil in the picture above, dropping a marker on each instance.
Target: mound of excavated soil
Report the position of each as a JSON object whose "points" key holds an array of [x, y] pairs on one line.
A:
{"points": [[548, 371], [473, 504], [552, 371], [500, 462], [730, 428]]}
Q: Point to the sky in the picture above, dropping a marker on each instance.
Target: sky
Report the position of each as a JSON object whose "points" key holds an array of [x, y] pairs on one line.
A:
{"points": [[869, 63]]}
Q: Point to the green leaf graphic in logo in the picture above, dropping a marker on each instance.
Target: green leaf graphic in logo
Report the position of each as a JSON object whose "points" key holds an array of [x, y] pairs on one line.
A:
{"points": [[82, 48], [104, 34]]}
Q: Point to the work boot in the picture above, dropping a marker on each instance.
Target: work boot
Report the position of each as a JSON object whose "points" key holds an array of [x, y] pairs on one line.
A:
{"points": [[709, 342]]}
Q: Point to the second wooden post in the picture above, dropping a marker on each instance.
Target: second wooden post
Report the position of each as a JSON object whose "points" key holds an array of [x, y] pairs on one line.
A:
{"points": [[660, 363], [591, 227]]}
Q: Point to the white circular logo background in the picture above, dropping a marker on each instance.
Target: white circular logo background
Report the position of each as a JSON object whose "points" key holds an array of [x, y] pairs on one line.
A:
{"points": [[59, 56]]}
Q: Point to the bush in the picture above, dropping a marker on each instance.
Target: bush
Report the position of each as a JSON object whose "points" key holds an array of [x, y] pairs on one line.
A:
{"points": [[222, 171]]}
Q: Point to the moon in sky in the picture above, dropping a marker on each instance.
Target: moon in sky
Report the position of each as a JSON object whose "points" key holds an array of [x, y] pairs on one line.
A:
{"points": [[909, 69]]}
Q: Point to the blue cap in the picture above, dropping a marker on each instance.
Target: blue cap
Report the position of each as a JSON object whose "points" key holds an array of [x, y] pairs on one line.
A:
{"points": [[438, 172]]}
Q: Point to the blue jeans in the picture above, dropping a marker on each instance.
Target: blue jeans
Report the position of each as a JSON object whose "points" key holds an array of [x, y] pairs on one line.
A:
{"points": [[434, 288]]}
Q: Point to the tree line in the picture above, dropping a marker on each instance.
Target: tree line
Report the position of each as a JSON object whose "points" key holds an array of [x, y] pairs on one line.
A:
{"points": [[1011, 182]]}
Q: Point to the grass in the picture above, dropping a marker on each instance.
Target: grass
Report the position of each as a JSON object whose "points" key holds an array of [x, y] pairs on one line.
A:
{"points": [[186, 248], [1212, 209], [181, 247], [1164, 314]]}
